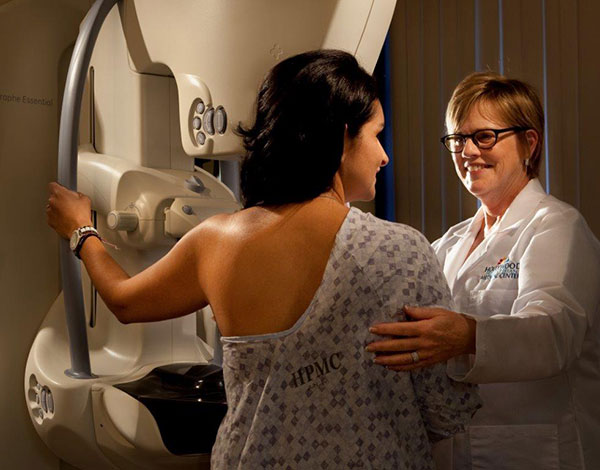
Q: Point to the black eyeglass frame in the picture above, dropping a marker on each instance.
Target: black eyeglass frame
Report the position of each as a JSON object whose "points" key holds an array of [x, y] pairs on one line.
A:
{"points": [[474, 140]]}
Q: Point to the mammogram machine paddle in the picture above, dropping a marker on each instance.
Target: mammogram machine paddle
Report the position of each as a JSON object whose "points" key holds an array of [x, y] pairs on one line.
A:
{"points": [[155, 88]]}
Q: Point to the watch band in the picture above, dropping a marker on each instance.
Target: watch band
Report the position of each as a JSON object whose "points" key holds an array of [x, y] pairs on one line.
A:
{"points": [[80, 235], [83, 238]]}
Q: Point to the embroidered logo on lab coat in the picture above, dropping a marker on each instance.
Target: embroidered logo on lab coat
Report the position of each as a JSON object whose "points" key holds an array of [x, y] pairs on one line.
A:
{"points": [[504, 269]]}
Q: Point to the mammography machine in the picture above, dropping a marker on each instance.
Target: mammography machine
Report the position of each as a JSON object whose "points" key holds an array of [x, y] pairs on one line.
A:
{"points": [[166, 83]]}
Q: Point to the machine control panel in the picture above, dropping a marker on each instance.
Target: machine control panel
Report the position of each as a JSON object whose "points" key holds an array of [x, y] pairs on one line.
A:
{"points": [[40, 400], [207, 121]]}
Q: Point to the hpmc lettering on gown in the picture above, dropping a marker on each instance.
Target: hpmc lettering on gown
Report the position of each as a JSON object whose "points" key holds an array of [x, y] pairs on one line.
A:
{"points": [[306, 374]]}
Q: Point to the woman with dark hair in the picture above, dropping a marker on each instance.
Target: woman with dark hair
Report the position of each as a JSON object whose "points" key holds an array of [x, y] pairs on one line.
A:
{"points": [[294, 280], [305, 107]]}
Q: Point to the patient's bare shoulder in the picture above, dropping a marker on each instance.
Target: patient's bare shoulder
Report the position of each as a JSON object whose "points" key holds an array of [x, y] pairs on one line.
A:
{"points": [[221, 233], [217, 225]]}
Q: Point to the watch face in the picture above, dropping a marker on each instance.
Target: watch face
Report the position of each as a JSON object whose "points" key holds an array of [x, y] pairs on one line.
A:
{"points": [[73, 240]]}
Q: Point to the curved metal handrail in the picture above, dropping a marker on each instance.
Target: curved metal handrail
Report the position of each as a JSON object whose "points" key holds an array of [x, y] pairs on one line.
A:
{"points": [[67, 176]]}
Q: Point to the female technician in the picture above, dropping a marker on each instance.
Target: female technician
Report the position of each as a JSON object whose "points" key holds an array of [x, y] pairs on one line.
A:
{"points": [[525, 274]]}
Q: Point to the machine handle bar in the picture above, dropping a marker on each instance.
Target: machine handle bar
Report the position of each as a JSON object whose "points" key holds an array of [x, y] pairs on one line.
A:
{"points": [[67, 176]]}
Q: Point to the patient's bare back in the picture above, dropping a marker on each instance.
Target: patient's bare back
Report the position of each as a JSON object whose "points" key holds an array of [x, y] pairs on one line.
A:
{"points": [[262, 266]]}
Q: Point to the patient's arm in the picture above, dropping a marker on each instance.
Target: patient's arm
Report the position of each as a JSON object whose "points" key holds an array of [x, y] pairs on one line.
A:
{"points": [[167, 289], [446, 406]]}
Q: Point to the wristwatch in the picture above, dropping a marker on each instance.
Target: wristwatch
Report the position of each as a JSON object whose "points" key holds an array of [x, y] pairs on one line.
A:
{"points": [[79, 236]]}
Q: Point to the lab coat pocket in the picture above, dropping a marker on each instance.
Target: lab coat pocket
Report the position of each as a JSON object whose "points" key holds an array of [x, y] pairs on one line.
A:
{"points": [[492, 301], [517, 447]]}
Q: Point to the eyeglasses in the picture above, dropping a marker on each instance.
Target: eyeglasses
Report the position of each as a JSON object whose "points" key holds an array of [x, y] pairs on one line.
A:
{"points": [[483, 138]]}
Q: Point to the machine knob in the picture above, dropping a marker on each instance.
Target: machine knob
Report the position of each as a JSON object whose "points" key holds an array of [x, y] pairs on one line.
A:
{"points": [[194, 183], [44, 402], [220, 120], [209, 121], [50, 401], [200, 107], [121, 220]]}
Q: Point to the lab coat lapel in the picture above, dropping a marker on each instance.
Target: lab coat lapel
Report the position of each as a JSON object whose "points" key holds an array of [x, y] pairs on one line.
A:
{"points": [[456, 255], [523, 205], [468, 241]]}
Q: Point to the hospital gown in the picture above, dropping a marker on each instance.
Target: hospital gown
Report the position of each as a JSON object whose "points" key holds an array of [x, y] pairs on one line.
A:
{"points": [[311, 398]]}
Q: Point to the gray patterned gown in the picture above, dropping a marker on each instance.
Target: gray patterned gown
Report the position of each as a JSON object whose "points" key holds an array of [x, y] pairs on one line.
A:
{"points": [[311, 398]]}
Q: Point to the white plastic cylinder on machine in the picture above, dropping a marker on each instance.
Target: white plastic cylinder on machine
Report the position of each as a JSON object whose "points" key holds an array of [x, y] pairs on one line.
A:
{"points": [[121, 220]]}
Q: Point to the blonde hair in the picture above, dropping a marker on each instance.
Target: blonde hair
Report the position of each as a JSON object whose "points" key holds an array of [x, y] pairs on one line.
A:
{"points": [[513, 101]]}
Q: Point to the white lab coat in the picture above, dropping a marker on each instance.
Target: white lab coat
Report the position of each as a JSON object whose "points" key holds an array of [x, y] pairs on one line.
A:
{"points": [[533, 285]]}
